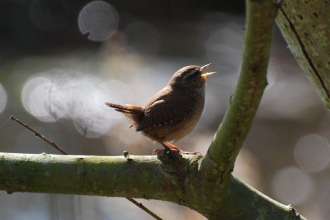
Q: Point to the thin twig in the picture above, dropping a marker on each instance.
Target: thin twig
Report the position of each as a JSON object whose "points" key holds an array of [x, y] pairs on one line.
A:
{"points": [[141, 206], [52, 143], [37, 134]]}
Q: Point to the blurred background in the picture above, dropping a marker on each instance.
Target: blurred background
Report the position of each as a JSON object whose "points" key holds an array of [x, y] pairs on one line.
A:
{"points": [[61, 60]]}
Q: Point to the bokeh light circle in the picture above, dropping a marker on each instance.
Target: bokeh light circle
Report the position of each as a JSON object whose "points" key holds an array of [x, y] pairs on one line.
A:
{"points": [[99, 20], [291, 185], [89, 113], [35, 98], [223, 47], [56, 94], [3, 98], [312, 153]]}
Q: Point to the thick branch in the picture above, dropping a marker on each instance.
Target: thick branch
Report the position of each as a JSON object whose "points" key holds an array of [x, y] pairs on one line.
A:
{"points": [[236, 124], [139, 177], [89, 175], [305, 27], [84, 175]]}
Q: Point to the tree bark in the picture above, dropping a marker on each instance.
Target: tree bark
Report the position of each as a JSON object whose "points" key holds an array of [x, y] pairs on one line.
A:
{"points": [[138, 177], [306, 28]]}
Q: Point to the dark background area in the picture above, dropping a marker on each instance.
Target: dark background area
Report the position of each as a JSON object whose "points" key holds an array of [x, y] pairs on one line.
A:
{"points": [[56, 79], [54, 27]]}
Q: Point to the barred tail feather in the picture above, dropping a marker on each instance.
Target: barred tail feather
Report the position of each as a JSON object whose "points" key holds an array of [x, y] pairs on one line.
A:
{"points": [[132, 112]]}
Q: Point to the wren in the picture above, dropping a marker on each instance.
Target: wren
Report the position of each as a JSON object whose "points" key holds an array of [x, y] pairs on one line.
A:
{"points": [[174, 111]]}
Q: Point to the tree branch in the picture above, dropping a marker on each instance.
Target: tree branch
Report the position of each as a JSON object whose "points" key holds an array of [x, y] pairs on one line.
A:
{"points": [[140, 177], [85, 175], [306, 30], [237, 122]]}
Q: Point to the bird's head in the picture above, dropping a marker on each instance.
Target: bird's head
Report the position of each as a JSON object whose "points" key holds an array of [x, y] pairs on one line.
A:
{"points": [[190, 77]]}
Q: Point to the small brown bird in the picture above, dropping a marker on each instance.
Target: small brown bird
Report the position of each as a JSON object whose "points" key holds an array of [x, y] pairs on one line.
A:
{"points": [[174, 111]]}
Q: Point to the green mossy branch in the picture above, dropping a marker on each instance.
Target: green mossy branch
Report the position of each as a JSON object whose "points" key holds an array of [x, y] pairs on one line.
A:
{"points": [[138, 177], [115, 176], [237, 122]]}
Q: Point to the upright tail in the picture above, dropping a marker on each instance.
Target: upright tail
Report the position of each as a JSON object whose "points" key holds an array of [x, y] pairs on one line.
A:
{"points": [[133, 113]]}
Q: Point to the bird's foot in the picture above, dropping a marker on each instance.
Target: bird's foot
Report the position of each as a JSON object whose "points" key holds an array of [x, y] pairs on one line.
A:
{"points": [[190, 152], [171, 147], [155, 151]]}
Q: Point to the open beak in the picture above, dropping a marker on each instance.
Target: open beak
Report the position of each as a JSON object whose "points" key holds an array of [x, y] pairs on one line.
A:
{"points": [[204, 75]]}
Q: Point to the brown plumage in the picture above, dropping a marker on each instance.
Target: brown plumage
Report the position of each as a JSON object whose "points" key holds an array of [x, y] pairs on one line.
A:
{"points": [[174, 111]]}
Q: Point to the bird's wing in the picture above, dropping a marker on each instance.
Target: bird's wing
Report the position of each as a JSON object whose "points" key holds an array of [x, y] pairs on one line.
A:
{"points": [[167, 111]]}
